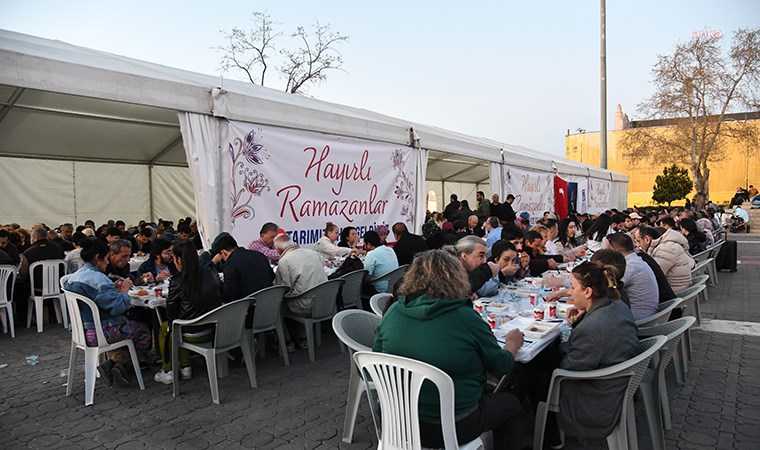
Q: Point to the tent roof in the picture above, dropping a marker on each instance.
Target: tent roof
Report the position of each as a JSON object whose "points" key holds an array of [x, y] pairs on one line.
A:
{"points": [[61, 101]]}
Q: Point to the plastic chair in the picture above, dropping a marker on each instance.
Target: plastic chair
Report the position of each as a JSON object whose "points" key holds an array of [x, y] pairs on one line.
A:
{"points": [[51, 274], [392, 277], [712, 269], [267, 317], [356, 329], [653, 388], [701, 256], [7, 275], [701, 279], [351, 292], [378, 303], [322, 308], [624, 434], [701, 267], [229, 333], [663, 313], [398, 381], [690, 306], [91, 354]]}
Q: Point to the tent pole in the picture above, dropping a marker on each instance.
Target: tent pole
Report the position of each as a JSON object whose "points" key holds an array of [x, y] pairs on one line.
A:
{"points": [[150, 189], [74, 189]]}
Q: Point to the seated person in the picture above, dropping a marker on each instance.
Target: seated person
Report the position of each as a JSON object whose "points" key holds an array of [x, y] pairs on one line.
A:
{"points": [[505, 255], [143, 241], [74, 259], [265, 243], [192, 293], [471, 251], [515, 236], [301, 269], [379, 261], [433, 321], [113, 302], [407, 244], [349, 238], [697, 239], [118, 261], [326, 245], [604, 334], [533, 244], [159, 265]]}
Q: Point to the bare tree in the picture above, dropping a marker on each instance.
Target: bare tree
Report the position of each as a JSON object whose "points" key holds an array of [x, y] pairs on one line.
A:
{"points": [[247, 50], [696, 90], [315, 54]]}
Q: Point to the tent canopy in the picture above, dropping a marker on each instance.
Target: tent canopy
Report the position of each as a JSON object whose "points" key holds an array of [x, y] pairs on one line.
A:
{"points": [[64, 102]]}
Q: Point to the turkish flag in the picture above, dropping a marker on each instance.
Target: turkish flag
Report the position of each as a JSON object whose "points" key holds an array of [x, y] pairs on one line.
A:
{"points": [[560, 197]]}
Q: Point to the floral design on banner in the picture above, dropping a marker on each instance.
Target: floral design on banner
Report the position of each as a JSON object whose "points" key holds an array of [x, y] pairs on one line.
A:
{"points": [[252, 182], [404, 186]]}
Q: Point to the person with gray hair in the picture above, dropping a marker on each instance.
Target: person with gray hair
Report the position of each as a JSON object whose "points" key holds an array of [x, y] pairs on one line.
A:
{"points": [[301, 269], [484, 281], [120, 251]]}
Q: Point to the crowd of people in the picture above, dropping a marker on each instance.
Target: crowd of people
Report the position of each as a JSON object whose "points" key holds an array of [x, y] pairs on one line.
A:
{"points": [[638, 260]]}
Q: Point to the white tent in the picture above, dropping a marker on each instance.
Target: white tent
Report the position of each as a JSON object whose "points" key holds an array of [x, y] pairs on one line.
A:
{"points": [[86, 134]]}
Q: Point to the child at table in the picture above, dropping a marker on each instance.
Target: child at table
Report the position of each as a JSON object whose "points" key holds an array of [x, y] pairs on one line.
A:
{"points": [[505, 255]]}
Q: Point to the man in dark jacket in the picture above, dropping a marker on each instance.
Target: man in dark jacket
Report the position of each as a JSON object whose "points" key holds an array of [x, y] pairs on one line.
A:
{"points": [[407, 244], [8, 247], [464, 212], [41, 250], [509, 213], [451, 208], [245, 271]]}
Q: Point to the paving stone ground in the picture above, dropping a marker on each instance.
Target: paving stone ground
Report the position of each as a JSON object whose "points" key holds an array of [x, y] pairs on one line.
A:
{"points": [[302, 406]]}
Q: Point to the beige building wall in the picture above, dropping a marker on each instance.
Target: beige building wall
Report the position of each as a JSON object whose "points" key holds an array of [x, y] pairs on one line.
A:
{"points": [[740, 168]]}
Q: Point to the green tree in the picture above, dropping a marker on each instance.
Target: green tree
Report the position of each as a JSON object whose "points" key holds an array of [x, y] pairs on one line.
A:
{"points": [[674, 184], [696, 90]]}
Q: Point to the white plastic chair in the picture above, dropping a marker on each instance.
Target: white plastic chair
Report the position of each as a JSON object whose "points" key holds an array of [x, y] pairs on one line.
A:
{"points": [[7, 275], [378, 302], [51, 274], [392, 277], [701, 267], [653, 388], [624, 434], [356, 329], [229, 321], [398, 381], [691, 302], [351, 291], [663, 313], [323, 307], [267, 317], [91, 354]]}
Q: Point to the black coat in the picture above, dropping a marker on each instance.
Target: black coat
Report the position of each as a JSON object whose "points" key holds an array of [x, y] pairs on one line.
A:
{"points": [[12, 251], [509, 213], [245, 272], [179, 307], [407, 246]]}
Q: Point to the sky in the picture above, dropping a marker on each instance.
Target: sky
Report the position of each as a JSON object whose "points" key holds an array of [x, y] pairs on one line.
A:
{"points": [[522, 73]]}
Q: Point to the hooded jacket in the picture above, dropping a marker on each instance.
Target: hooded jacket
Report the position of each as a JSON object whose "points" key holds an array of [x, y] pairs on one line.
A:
{"points": [[447, 334], [671, 251]]}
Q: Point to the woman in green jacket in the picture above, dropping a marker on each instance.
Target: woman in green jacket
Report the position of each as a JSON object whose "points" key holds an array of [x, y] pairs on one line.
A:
{"points": [[434, 321]]}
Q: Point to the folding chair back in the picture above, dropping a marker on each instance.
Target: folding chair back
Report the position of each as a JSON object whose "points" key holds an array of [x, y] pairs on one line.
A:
{"points": [[351, 292]]}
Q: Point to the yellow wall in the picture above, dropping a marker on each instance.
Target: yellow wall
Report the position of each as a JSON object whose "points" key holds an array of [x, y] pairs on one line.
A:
{"points": [[736, 170]]}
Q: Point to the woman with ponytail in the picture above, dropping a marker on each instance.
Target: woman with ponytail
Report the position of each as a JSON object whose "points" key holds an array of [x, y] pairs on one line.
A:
{"points": [[604, 334]]}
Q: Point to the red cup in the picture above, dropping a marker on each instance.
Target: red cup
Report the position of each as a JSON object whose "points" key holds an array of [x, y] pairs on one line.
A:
{"points": [[538, 313]]}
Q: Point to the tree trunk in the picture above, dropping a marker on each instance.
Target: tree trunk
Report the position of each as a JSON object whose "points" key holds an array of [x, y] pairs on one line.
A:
{"points": [[701, 185]]}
